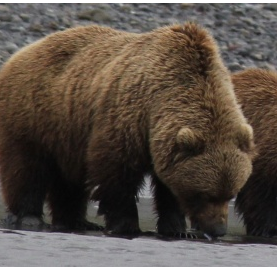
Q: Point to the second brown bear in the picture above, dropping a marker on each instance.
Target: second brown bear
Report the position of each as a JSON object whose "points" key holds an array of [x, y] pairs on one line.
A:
{"points": [[256, 91]]}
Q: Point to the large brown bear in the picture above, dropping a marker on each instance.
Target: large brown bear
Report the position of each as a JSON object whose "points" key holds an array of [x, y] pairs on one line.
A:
{"points": [[87, 112], [256, 90]]}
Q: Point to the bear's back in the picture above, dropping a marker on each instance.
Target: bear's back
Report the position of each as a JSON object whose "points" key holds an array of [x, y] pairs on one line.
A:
{"points": [[40, 82], [47, 58], [256, 91]]}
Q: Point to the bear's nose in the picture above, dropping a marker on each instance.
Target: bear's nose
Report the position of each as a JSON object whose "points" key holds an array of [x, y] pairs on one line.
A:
{"points": [[217, 230]]}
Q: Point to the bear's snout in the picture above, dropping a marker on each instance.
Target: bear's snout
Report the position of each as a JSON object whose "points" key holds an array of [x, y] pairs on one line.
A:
{"points": [[212, 219], [217, 230]]}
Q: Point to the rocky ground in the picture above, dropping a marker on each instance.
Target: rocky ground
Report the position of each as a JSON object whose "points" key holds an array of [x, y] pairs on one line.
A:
{"points": [[245, 32]]}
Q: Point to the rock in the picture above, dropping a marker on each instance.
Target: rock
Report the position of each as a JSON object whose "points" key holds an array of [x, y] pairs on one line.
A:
{"points": [[125, 8], [257, 56], [235, 66], [248, 21], [16, 18], [25, 17], [96, 15], [186, 5], [11, 47], [272, 6], [203, 8], [6, 17], [267, 66], [36, 27], [4, 8], [53, 25], [66, 22]]}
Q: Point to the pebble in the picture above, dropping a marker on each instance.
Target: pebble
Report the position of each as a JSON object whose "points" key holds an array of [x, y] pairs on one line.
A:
{"points": [[257, 56], [24, 17], [235, 66], [4, 8], [11, 47], [36, 27], [6, 17], [272, 7], [95, 15]]}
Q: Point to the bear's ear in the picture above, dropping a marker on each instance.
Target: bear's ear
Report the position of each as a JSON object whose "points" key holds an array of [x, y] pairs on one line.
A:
{"points": [[190, 140], [245, 137]]}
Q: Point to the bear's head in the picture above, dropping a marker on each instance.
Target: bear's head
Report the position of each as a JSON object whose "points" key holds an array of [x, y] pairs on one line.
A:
{"points": [[200, 143], [208, 170]]}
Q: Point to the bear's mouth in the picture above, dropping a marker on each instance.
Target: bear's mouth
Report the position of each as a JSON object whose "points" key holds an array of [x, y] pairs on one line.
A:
{"points": [[195, 227]]}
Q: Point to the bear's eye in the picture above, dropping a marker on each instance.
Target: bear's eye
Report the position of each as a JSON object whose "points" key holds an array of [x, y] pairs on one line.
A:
{"points": [[244, 146], [195, 150], [200, 149]]}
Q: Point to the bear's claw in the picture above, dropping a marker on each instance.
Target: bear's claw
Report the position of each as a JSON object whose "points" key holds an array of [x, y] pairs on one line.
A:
{"points": [[180, 235]]}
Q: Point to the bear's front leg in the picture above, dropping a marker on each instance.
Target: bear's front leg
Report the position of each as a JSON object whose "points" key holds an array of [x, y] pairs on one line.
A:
{"points": [[117, 202], [259, 219], [171, 221]]}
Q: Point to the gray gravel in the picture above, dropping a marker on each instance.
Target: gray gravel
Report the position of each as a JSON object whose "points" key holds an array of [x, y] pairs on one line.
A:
{"points": [[245, 32]]}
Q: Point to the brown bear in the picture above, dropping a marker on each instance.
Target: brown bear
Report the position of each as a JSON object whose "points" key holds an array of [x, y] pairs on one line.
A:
{"points": [[256, 91], [87, 112]]}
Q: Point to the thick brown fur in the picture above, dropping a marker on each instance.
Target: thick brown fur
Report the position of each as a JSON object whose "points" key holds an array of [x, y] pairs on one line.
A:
{"points": [[89, 111], [256, 91]]}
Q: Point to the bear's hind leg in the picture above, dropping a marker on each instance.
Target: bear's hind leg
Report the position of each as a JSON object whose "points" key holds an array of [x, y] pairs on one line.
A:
{"points": [[117, 202], [121, 214], [24, 177]]}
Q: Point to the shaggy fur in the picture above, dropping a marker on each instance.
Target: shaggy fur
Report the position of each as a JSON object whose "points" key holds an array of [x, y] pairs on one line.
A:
{"points": [[89, 111], [256, 90]]}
